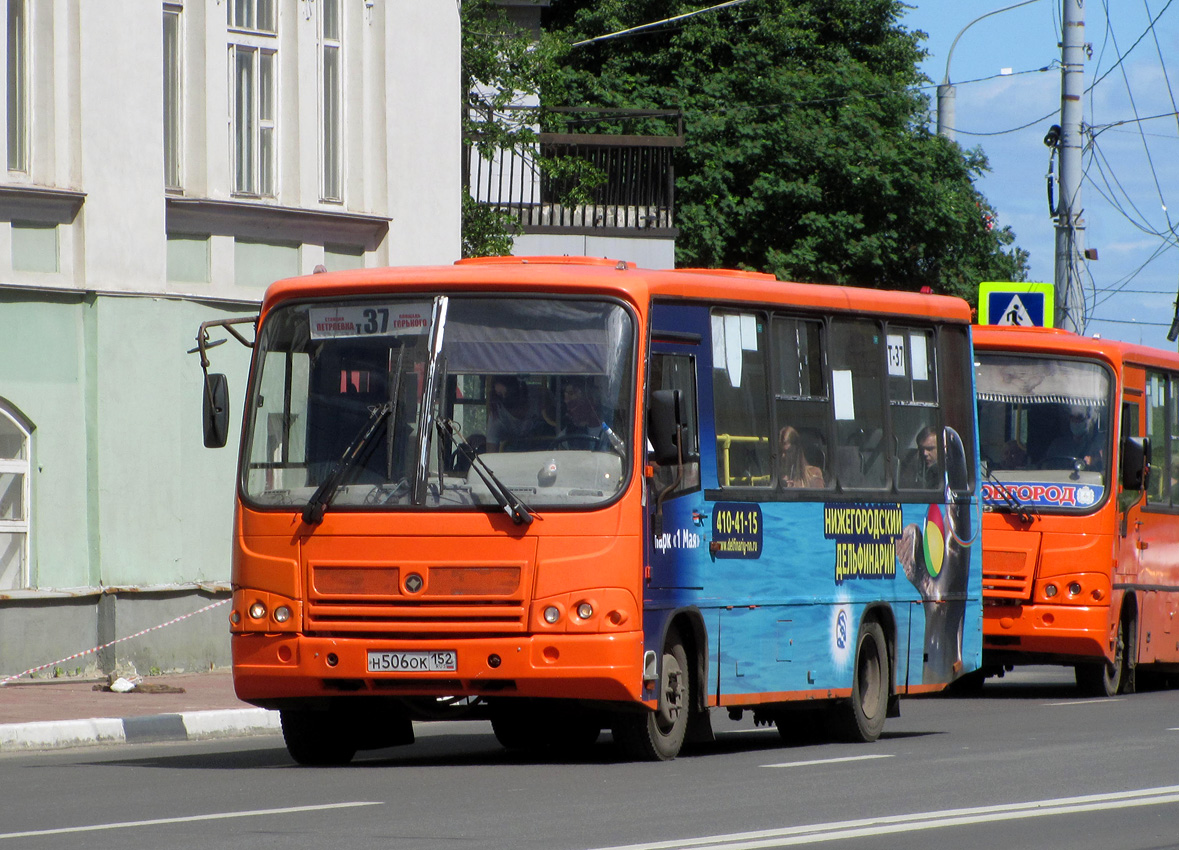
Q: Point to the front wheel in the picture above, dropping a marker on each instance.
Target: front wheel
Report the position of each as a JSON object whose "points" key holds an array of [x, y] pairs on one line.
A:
{"points": [[317, 738], [862, 718], [1107, 679], [658, 735]]}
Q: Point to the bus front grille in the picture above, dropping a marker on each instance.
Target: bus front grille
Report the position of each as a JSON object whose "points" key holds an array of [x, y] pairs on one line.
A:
{"points": [[416, 599], [1006, 575]]}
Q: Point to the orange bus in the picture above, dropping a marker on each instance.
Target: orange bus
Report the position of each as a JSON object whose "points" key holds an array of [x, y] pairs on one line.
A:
{"points": [[567, 495], [1080, 531]]}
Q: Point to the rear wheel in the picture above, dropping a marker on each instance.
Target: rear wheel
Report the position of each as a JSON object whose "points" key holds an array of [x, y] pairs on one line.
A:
{"points": [[862, 718], [658, 735], [317, 738]]}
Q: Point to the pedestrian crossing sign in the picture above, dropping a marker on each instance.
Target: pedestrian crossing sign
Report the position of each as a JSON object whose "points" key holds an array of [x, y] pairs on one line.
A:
{"points": [[1016, 304]]}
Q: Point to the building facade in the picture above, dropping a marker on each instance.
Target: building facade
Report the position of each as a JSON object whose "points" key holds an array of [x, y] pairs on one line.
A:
{"points": [[165, 162]]}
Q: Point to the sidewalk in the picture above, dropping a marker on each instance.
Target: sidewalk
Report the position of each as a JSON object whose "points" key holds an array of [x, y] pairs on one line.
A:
{"points": [[53, 714]]}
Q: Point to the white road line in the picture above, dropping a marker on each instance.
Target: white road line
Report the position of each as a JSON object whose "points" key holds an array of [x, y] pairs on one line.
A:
{"points": [[1084, 702], [889, 824], [829, 761], [189, 819]]}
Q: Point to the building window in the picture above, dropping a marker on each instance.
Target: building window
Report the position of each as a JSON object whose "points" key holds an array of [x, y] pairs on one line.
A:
{"points": [[252, 69], [18, 85], [14, 502], [173, 125], [253, 15], [331, 118]]}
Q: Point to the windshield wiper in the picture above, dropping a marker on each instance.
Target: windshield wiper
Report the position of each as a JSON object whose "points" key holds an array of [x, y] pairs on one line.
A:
{"points": [[322, 497], [508, 500], [1012, 501]]}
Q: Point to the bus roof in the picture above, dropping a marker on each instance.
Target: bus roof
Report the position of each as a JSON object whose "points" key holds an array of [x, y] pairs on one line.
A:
{"points": [[1058, 341], [615, 277]]}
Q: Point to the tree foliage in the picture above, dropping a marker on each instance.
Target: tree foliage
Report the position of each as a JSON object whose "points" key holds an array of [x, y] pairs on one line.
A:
{"points": [[808, 153]]}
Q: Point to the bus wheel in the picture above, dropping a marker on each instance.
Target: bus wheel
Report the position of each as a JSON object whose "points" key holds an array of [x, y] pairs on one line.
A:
{"points": [[1105, 679], [658, 735], [862, 718], [317, 738]]}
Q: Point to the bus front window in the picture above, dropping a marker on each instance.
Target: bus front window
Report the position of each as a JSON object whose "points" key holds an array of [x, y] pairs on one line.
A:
{"points": [[537, 391], [1044, 429]]}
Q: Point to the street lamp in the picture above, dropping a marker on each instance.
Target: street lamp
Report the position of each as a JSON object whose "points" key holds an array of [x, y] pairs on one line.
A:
{"points": [[945, 92]]}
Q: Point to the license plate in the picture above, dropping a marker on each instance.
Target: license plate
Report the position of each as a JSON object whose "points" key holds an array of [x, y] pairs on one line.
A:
{"points": [[417, 661]]}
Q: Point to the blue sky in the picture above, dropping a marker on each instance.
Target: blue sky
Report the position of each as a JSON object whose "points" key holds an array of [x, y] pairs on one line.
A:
{"points": [[1133, 170]]}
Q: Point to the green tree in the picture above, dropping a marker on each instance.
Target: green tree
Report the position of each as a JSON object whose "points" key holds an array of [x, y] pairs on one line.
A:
{"points": [[808, 153]]}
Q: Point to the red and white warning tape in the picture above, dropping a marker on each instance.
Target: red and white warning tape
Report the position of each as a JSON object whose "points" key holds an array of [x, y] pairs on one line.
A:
{"points": [[8, 679]]}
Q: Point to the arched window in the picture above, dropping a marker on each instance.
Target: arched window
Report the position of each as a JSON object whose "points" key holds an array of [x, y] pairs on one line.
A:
{"points": [[14, 500]]}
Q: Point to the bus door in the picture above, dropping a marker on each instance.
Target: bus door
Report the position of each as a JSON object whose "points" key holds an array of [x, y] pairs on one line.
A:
{"points": [[1153, 528], [675, 518]]}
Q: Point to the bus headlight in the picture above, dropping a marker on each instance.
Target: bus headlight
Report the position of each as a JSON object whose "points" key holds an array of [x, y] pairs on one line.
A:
{"points": [[1074, 588], [585, 610], [282, 613], [258, 610], [551, 614], [1050, 590]]}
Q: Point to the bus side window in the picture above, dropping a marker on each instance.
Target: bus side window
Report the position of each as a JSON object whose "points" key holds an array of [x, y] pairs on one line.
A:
{"points": [[856, 353], [801, 405], [739, 396], [916, 415], [1158, 490], [678, 372]]}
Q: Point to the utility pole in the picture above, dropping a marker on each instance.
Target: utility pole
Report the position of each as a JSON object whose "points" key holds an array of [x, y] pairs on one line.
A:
{"points": [[1070, 228]]}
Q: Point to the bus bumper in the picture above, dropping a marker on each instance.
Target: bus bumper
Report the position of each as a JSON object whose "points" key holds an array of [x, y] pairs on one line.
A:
{"points": [[1038, 633], [269, 669]]}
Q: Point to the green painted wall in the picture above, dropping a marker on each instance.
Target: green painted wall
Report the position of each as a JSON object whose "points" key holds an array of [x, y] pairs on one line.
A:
{"points": [[123, 491]]}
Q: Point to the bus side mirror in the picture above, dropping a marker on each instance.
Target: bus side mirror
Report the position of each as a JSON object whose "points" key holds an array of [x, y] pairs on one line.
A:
{"points": [[664, 421], [1135, 463], [216, 411]]}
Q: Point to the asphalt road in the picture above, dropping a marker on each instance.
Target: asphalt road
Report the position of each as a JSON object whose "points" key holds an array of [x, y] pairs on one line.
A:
{"points": [[1029, 763]]}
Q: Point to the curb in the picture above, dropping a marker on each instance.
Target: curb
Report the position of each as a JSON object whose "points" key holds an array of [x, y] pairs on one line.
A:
{"points": [[153, 728]]}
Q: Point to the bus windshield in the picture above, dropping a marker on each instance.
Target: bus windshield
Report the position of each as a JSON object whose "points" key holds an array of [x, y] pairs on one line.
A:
{"points": [[444, 402], [1044, 431]]}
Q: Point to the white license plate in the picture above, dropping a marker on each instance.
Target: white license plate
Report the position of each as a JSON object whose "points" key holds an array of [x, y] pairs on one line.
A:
{"points": [[417, 661]]}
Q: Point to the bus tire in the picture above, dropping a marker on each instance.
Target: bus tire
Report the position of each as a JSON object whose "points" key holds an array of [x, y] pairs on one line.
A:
{"points": [[317, 738], [658, 735], [1106, 679], [861, 719]]}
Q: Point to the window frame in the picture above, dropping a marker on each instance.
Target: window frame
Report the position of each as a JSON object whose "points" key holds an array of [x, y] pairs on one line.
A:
{"points": [[254, 147], [22, 466], [18, 83], [331, 100], [173, 73]]}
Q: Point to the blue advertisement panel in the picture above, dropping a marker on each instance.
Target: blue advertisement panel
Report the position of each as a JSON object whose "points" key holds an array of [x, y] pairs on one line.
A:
{"points": [[783, 584]]}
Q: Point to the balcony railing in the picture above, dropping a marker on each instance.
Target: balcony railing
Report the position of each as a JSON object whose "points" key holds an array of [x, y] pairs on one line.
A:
{"points": [[632, 190]]}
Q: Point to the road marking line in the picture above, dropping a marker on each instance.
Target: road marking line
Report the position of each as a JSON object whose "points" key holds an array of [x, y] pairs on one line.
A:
{"points": [[829, 761], [888, 824], [1104, 701], [189, 819]]}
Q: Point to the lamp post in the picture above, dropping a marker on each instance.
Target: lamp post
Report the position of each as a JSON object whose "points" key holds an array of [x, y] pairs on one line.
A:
{"points": [[945, 92]]}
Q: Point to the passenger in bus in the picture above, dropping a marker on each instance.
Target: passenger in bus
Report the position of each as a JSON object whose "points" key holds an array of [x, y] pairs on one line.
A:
{"points": [[514, 417], [925, 469], [794, 469], [1082, 443]]}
